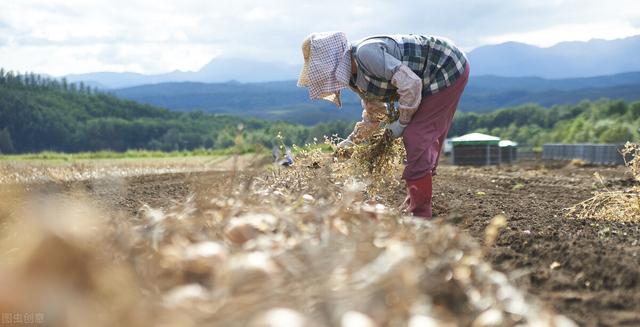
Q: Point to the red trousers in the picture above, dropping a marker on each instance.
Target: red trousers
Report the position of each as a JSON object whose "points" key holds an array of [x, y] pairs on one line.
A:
{"points": [[424, 136]]}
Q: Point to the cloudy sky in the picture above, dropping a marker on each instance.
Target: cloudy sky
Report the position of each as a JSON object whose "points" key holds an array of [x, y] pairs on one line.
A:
{"points": [[153, 36]]}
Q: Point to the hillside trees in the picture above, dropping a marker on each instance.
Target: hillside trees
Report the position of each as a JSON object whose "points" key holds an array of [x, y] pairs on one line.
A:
{"points": [[603, 121], [38, 114], [6, 144]]}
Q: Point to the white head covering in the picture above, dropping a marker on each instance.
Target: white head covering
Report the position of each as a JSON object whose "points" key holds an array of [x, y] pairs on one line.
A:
{"points": [[327, 65]]}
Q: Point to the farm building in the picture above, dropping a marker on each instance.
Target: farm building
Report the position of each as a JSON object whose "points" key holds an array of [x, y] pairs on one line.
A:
{"points": [[478, 149], [475, 149], [447, 146], [599, 154], [508, 151]]}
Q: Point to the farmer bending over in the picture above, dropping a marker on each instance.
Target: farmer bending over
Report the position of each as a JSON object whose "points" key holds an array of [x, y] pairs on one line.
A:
{"points": [[425, 74]]}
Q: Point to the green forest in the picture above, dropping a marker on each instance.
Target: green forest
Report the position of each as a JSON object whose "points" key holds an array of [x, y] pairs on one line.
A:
{"points": [[602, 121], [42, 114]]}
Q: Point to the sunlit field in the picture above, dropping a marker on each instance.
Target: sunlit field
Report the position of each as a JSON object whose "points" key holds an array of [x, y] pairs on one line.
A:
{"points": [[237, 241]]}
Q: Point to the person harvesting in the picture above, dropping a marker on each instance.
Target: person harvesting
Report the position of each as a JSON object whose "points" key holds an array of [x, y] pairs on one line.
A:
{"points": [[426, 75]]}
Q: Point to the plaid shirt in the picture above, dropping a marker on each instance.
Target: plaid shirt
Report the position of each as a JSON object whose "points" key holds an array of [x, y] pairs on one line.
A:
{"points": [[436, 60]]}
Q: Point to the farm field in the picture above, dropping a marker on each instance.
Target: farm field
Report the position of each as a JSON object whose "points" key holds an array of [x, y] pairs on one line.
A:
{"points": [[587, 270], [20, 171]]}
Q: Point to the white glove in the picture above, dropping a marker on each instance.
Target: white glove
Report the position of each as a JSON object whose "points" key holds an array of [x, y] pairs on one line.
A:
{"points": [[346, 143], [396, 128]]}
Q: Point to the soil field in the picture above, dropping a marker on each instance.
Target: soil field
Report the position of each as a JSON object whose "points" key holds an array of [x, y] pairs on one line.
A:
{"points": [[587, 270]]}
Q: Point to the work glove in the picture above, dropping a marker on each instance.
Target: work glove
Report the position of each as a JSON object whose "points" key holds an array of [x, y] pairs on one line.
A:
{"points": [[396, 128], [346, 143]]}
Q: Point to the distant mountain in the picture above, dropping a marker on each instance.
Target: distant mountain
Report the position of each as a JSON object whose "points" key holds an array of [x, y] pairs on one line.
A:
{"points": [[246, 71], [479, 102], [564, 60], [285, 101], [216, 71], [485, 93], [269, 100], [107, 80], [535, 84]]}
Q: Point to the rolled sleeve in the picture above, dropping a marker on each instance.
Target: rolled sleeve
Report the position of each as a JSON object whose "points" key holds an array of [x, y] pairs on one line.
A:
{"points": [[409, 91]]}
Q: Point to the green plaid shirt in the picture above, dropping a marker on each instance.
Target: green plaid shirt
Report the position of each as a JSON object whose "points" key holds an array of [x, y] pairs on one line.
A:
{"points": [[438, 62]]}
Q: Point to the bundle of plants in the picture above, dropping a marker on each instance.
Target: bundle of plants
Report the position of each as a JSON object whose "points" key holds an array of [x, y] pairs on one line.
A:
{"points": [[254, 251], [616, 205], [377, 160]]}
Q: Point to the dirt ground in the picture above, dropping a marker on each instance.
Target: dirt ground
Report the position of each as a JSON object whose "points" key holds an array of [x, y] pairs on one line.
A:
{"points": [[588, 270]]}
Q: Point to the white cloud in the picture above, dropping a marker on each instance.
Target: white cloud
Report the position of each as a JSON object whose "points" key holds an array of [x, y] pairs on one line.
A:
{"points": [[574, 32], [260, 14], [72, 59], [151, 36]]}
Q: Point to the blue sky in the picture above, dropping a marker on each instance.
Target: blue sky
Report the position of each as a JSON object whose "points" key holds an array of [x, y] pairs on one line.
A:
{"points": [[153, 36]]}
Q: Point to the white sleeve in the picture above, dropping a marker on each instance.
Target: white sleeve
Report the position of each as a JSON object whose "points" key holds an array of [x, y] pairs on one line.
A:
{"points": [[410, 91]]}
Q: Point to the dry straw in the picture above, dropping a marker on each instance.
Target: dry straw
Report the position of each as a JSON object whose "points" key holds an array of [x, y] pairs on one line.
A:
{"points": [[615, 205], [287, 247], [377, 161]]}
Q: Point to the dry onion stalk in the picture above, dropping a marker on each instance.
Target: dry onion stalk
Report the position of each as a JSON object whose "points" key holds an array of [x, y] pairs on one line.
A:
{"points": [[280, 247], [378, 160], [615, 205]]}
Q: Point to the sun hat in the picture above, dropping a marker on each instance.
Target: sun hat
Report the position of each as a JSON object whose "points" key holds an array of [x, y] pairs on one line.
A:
{"points": [[303, 80], [327, 65]]}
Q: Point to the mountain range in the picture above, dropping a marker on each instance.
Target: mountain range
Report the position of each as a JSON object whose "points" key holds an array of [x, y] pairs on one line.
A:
{"points": [[504, 75], [511, 59], [285, 101], [563, 60], [216, 71]]}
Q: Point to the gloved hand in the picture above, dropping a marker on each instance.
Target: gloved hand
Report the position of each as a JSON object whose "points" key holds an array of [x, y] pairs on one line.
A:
{"points": [[346, 143], [396, 128]]}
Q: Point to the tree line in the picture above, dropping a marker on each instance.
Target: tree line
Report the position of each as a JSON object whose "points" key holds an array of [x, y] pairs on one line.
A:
{"points": [[602, 121], [40, 114], [43, 114]]}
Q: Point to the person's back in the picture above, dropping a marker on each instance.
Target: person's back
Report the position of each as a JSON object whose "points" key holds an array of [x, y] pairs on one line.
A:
{"points": [[426, 75], [436, 60]]}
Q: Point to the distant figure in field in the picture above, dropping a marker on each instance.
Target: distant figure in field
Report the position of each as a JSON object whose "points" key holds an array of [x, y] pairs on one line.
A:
{"points": [[286, 160], [425, 74]]}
